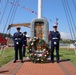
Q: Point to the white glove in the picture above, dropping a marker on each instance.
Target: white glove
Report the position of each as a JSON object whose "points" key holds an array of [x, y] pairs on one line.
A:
{"points": [[17, 43], [55, 43]]}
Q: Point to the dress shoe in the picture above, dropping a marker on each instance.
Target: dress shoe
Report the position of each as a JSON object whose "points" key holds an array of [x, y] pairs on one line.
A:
{"points": [[52, 61], [14, 61], [23, 55], [57, 61], [21, 61]]}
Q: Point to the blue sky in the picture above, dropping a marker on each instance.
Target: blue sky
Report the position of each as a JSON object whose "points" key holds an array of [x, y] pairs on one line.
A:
{"points": [[51, 9]]}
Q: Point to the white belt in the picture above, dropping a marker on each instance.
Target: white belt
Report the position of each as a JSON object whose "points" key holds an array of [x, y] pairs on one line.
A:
{"points": [[17, 38], [55, 38]]}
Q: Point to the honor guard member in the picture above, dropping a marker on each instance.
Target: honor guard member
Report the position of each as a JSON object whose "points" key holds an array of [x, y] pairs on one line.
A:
{"points": [[24, 42], [17, 37], [55, 37]]}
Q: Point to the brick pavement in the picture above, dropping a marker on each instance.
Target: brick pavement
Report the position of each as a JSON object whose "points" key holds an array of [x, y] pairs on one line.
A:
{"points": [[29, 68]]}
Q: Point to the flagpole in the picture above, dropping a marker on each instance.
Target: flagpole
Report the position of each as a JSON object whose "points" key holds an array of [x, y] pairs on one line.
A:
{"points": [[39, 8]]}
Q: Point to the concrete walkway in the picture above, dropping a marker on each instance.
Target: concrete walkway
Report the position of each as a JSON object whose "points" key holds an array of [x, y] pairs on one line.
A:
{"points": [[30, 68]]}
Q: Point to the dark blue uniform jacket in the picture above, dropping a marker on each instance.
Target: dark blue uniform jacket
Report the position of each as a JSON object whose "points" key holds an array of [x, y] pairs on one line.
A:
{"points": [[55, 37], [24, 40], [17, 38]]}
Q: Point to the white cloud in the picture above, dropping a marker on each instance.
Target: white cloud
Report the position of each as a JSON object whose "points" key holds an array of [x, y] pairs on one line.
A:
{"points": [[65, 35]]}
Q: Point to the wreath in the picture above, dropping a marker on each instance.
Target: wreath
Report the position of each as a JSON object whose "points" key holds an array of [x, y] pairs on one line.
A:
{"points": [[38, 50]]}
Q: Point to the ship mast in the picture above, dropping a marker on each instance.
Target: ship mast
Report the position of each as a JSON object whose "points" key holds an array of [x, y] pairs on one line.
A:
{"points": [[39, 8]]}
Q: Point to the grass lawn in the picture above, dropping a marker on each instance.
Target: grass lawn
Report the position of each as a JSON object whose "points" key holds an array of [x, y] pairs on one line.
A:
{"points": [[68, 54], [8, 54]]}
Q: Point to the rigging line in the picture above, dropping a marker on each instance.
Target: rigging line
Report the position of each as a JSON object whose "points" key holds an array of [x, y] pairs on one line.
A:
{"points": [[13, 9], [74, 4], [5, 26], [0, 6], [4, 11], [71, 15], [8, 17], [67, 18], [13, 14], [71, 19]]}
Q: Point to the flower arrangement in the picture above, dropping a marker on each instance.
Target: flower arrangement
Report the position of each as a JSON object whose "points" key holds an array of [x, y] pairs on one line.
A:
{"points": [[38, 50]]}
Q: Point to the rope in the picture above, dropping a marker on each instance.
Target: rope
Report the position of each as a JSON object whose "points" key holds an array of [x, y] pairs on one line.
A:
{"points": [[8, 17], [6, 24], [71, 16], [11, 20], [14, 12], [67, 18], [4, 11], [0, 6], [74, 4], [13, 15]]}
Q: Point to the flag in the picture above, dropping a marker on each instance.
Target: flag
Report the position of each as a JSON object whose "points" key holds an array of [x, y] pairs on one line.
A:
{"points": [[28, 9], [36, 13], [56, 19], [32, 11]]}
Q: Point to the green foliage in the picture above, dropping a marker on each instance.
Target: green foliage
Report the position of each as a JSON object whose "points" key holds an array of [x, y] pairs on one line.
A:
{"points": [[6, 35], [38, 55], [66, 41]]}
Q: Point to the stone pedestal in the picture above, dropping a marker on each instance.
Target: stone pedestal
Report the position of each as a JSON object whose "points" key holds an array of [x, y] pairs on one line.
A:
{"points": [[40, 29]]}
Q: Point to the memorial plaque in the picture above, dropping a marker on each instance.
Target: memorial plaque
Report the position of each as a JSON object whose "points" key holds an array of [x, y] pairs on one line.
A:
{"points": [[40, 29]]}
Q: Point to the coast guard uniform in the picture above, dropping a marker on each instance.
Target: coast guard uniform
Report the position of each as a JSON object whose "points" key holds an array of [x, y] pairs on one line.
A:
{"points": [[17, 37], [55, 37], [24, 42]]}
